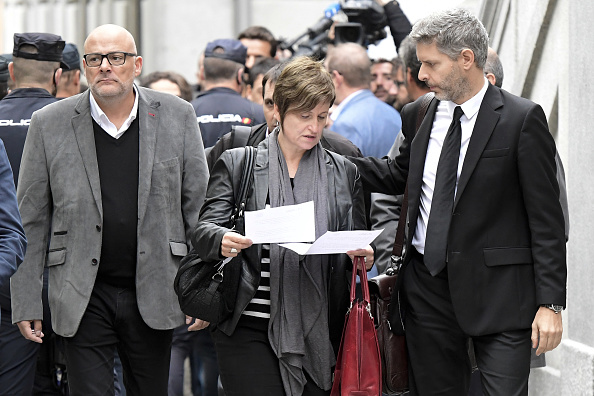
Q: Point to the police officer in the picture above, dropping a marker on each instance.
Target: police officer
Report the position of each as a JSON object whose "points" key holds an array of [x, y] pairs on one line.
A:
{"points": [[70, 82], [220, 105], [35, 70]]}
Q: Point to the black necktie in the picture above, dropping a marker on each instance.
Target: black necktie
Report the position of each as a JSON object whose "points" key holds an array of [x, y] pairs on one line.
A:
{"points": [[442, 203]]}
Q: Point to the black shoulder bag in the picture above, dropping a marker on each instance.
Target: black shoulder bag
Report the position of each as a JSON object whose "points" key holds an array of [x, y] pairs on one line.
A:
{"points": [[208, 290]]}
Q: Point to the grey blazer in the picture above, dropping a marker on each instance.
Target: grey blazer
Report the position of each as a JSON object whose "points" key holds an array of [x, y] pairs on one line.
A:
{"points": [[59, 190]]}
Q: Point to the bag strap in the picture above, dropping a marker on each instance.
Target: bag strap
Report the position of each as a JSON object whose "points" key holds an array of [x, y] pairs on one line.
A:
{"points": [[247, 177], [359, 269], [241, 134], [398, 249]]}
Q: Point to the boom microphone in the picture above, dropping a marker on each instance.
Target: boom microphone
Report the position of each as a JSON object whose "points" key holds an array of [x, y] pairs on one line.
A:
{"points": [[325, 22]]}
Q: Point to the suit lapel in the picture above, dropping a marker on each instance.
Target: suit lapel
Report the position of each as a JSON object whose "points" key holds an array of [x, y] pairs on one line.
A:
{"points": [[418, 152], [85, 138], [148, 123], [486, 121]]}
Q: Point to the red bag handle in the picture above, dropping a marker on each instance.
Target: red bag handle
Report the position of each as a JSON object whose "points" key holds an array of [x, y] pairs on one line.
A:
{"points": [[359, 269]]}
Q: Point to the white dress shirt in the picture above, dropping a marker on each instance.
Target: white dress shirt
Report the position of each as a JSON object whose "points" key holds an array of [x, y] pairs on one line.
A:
{"points": [[104, 122], [441, 124]]}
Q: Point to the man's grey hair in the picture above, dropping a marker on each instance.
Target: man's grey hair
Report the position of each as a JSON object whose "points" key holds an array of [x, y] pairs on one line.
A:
{"points": [[408, 53], [453, 31], [495, 67]]}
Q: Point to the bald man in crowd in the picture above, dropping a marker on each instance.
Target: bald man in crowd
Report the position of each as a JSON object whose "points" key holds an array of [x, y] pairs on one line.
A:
{"points": [[368, 122], [118, 174]]}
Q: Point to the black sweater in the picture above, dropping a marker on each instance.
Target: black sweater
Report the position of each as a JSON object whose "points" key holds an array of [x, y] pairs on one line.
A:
{"points": [[118, 172]]}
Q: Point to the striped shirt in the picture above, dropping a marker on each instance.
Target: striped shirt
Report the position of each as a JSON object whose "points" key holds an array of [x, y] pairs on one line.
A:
{"points": [[259, 306]]}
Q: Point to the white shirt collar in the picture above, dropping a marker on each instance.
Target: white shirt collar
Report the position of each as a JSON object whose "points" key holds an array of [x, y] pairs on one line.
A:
{"points": [[341, 106], [104, 122]]}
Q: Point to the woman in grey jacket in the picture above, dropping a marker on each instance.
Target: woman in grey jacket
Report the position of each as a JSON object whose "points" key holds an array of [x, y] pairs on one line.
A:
{"points": [[278, 339]]}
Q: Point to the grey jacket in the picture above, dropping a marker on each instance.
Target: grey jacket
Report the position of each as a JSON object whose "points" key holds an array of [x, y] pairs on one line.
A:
{"points": [[385, 213], [346, 211], [59, 190]]}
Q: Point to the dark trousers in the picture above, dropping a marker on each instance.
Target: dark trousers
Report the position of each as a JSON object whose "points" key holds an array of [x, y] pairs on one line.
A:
{"points": [[111, 321], [198, 346], [50, 359], [247, 364], [204, 366], [437, 346], [18, 358], [181, 347]]}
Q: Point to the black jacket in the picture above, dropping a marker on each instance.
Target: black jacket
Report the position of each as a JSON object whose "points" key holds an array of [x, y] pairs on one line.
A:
{"points": [[506, 242], [345, 212], [399, 24]]}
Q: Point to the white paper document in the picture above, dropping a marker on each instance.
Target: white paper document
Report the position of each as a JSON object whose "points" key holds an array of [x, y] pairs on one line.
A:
{"points": [[292, 223], [335, 242]]}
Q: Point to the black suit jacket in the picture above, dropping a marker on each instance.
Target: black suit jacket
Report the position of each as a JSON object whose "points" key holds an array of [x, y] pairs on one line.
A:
{"points": [[506, 243]]}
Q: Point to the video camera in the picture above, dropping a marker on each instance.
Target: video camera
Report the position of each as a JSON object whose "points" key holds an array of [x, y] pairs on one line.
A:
{"points": [[366, 23]]}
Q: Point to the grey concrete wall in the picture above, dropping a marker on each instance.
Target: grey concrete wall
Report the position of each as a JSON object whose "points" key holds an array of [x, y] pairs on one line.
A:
{"points": [[579, 58]]}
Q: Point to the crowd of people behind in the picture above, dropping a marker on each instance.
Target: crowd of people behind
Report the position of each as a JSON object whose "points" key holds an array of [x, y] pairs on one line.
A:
{"points": [[114, 176]]}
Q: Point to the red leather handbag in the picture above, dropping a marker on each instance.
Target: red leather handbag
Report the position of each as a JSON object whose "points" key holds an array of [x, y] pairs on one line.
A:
{"points": [[358, 365]]}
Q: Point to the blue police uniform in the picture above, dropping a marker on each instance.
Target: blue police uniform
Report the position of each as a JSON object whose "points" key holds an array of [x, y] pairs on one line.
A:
{"points": [[15, 115], [16, 110], [18, 356], [220, 108]]}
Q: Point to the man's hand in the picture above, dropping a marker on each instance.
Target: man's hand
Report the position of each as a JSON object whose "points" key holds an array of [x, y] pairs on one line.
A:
{"points": [[199, 324], [383, 2], [547, 329], [367, 253], [32, 333]]}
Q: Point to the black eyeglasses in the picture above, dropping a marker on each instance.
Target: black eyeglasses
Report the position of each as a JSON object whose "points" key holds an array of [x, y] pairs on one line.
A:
{"points": [[114, 58]]}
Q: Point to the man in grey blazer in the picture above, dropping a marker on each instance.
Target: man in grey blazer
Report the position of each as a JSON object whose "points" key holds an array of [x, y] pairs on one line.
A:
{"points": [[114, 178]]}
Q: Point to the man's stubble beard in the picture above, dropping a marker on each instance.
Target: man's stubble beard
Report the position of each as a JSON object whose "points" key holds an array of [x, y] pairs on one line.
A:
{"points": [[453, 87]]}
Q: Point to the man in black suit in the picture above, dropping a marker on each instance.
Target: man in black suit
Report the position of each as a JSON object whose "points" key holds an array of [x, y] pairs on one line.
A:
{"points": [[485, 252]]}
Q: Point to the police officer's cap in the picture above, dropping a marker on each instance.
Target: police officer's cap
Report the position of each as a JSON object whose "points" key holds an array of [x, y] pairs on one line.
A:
{"points": [[228, 49], [49, 47], [71, 57], [3, 69]]}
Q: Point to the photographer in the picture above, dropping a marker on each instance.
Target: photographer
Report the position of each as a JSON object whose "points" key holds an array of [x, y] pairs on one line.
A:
{"points": [[365, 24], [399, 24]]}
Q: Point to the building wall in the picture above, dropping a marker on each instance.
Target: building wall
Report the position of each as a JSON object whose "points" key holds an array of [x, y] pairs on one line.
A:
{"points": [[547, 50]]}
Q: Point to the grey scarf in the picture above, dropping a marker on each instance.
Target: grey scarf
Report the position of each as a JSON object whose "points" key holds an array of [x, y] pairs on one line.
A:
{"points": [[298, 328]]}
